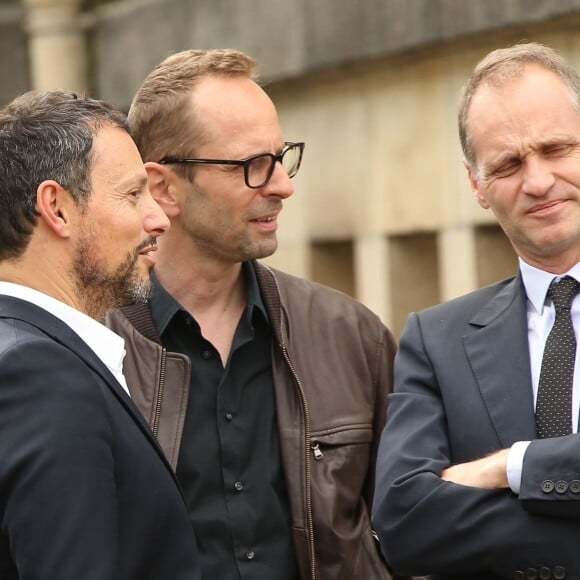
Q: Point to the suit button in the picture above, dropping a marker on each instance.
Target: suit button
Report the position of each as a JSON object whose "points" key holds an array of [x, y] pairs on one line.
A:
{"points": [[545, 573], [559, 572], [519, 575], [547, 486], [561, 486], [531, 574], [575, 486]]}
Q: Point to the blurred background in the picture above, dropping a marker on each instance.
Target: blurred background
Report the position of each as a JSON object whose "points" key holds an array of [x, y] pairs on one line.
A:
{"points": [[382, 208]]}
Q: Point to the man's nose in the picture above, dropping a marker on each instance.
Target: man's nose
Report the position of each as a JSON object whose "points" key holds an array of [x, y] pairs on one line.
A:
{"points": [[155, 222], [538, 177], [280, 184]]}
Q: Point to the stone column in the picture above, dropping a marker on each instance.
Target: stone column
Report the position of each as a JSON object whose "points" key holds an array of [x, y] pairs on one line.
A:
{"points": [[457, 261], [58, 55], [372, 274]]}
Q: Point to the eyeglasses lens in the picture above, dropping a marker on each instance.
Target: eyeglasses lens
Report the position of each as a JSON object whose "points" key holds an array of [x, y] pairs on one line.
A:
{"points": [[291, 160], [260, 168]]}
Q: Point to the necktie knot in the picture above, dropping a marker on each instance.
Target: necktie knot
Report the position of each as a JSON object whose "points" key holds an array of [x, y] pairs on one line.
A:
{"points": [[562, 292]]}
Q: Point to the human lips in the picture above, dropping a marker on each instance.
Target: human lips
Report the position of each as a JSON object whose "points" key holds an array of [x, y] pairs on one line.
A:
{"points": [[146, 248], [266, 219], [540, 209], [268, 222]]}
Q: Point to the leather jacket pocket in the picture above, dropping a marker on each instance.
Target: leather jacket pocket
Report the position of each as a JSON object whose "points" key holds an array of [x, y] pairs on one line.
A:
{"points": [[339, 467], [333, 440], [340, 463]]}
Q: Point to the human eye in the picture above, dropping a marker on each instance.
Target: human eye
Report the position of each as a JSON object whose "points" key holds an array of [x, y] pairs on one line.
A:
{"points": [[559, 149], [134, 194], [505, 168], [259, 167], [261, 163], [135, 188]]}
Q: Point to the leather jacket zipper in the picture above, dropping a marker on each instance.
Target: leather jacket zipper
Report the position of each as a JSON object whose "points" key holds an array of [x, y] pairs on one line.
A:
{"points": [[159, 396], [318, 455], [307, 467]]}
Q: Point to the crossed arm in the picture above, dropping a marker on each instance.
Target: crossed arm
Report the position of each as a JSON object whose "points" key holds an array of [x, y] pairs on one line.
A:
{"points": [[489, 472], [437, 517]]}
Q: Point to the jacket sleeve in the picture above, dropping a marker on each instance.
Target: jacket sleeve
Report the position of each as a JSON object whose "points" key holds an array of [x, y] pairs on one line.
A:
{"points": [[57, 484], [551, 477], [430, 526], [385, 352]]}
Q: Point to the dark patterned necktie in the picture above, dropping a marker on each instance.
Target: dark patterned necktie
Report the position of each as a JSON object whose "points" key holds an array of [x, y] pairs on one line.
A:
{"points": [[554, 402]]}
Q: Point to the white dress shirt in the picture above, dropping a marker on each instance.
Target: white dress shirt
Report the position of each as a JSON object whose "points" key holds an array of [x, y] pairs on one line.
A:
{"points": [[108, 346], [541, 315]]}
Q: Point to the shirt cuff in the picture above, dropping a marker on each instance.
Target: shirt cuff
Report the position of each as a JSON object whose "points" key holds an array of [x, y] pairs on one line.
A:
{"points": [[515, 463]]}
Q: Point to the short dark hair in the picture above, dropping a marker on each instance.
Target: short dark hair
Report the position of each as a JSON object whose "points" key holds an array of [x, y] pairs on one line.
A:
{"points": [[45, 135]]}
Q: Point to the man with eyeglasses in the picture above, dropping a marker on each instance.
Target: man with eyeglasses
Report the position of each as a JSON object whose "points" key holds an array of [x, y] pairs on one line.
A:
{"points": [[267, 392]]}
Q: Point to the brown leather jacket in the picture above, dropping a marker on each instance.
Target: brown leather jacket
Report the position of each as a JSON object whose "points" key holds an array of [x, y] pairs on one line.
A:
{"points": [[332, 369]]}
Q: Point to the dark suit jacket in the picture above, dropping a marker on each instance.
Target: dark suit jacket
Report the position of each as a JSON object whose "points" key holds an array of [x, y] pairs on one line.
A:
{"points": [[85, 491], [463, 390]]}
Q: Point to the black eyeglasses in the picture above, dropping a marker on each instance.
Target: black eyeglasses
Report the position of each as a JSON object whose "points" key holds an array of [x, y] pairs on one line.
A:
{"points": [[258, 169]]}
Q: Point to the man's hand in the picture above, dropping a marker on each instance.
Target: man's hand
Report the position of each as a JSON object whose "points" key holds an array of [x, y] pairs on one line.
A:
{"points": [[487, 473]]}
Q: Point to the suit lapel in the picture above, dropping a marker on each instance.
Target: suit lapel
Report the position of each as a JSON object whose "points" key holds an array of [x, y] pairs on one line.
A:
{"points": [[499, 356], [60, 332]]}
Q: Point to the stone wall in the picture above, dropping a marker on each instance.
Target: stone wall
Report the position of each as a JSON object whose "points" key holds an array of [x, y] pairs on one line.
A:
{"points": [[382, 202], [14, 70], [297, 37]]}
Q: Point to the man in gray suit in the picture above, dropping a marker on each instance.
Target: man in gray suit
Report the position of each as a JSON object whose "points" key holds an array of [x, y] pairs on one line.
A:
{"points": [[473, 478]]}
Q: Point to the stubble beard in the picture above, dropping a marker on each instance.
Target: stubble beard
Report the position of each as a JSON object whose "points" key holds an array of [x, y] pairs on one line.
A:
{"points": [[216, 237], [100, 290], [258, 250]]}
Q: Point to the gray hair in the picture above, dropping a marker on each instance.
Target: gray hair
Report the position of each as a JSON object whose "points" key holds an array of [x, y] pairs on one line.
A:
{"points": [[501, 66], [45, 135]]}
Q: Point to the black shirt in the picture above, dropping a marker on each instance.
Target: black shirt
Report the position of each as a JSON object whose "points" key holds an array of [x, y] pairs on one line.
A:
{"points": [[229, 462]]}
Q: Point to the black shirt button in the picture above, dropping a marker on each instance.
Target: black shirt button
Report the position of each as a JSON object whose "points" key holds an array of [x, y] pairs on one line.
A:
{"points": [[250, 555], [561, 486], [519, 575], [545, 573], [559, 572], [228, 416], [206, 354], [547, 486], [238, 486], [575, 486], [531, 574]]}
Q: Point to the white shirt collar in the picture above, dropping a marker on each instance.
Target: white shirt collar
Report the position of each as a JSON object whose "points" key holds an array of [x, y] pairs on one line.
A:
{"points": [[536, 283], [108, 346]]}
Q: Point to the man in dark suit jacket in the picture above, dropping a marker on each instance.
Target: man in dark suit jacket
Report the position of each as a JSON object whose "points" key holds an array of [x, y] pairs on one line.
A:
{"points": [[85, 491], [465, 486]]}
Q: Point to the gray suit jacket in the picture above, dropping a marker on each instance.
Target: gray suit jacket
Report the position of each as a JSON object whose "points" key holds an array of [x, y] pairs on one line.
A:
{"points": [[463, 390]]}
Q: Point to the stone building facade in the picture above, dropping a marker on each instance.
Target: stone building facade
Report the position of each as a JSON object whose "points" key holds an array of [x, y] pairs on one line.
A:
{"points": [[382, 208]]}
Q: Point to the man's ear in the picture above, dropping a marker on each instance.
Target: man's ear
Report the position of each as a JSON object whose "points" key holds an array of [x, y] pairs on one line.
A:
{"points": [[53, 203], [475, 187], [162, 186]]}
